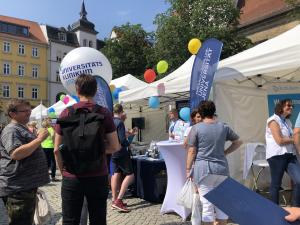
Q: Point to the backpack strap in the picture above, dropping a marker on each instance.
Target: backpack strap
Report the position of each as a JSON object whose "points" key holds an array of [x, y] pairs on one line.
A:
{"points": [[96, 108], [81, 124]]}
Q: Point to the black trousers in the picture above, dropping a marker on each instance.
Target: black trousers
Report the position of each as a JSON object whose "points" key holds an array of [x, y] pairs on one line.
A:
{"points": [[73, 190], [50, 160]]}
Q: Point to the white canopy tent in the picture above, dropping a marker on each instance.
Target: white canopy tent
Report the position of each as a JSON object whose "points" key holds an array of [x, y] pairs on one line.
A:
{"points": [[59, 106], [241, 86], [128, 81], [38, 112], [276, 58]]}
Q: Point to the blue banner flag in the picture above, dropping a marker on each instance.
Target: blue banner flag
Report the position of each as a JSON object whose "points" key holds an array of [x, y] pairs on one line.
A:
{"points": [[204, 68], [103, 95]]}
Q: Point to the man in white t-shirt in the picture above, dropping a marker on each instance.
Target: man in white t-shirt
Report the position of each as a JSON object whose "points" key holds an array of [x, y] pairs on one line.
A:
{"points": [[174, 123]]}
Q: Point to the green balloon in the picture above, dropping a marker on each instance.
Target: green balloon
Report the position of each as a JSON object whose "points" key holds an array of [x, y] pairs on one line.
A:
{"points": [[162, 66], [62, 97], [52, 115]]}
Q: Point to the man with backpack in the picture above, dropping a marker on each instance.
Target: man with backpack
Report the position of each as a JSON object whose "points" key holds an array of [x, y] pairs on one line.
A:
{"points": [[85, 132]]}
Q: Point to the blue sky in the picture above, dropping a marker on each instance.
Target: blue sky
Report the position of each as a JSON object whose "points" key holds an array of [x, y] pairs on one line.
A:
{"points": [[105, 14]]}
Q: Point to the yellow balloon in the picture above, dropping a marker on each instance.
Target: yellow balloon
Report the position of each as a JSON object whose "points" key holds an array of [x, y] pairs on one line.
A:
{"points": [[112, 87], [162, 66], [194, 45]]}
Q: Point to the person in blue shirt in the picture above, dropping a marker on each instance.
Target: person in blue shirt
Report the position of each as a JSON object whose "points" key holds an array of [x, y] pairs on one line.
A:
{"points": [[174, 123], [121, 163]]}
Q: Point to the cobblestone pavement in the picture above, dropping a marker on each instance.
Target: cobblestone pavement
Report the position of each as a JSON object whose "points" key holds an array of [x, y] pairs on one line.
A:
{"points": [[143, 212]]}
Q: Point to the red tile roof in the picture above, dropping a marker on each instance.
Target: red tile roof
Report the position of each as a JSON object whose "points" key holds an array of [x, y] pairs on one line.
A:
{"points": [[35, 32]]}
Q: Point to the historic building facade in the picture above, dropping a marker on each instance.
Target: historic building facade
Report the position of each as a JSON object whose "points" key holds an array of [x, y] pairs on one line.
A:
{"points": [[23, 62], [61, 41], [265, 19]]}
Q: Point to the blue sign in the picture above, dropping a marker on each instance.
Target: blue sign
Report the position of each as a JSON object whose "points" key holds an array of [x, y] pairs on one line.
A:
{"points": [[204, 68], [275, 98], [103, 95]]}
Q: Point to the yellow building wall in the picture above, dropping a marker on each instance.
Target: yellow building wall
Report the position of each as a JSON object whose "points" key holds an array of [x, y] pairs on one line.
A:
{"points": [[27, 81]]}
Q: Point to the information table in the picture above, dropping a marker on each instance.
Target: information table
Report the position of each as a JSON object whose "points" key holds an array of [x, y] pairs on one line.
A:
{"points": [[174, 155], [150, 178]]}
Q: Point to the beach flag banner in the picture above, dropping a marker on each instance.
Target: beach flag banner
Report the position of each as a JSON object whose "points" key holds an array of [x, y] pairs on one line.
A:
{"points": [[246, 207], [204, 68], [103, 95]]}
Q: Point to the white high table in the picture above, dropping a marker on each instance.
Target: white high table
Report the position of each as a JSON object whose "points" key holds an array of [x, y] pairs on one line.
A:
{"points": [[174, 155]]}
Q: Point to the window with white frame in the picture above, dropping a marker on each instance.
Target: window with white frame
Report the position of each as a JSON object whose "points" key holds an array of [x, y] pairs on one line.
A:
{"points": [[21, 49], [35, 52], [84, 42], [6, 46], [35, 71], [5, 91], [58, 56], [34, 93], [6, 68], [91, 44], [20, 92], [21, 70], [62, 37]]}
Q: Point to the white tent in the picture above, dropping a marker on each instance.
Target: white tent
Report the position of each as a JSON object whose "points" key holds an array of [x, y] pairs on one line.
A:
{"points": [[175, 83], [128, 81], [38, 112], [276, 58], [241, 86], [59, 106]]}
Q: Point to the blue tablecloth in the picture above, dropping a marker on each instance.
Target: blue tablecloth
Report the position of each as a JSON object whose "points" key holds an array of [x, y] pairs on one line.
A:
{"points": [[150, 178]]}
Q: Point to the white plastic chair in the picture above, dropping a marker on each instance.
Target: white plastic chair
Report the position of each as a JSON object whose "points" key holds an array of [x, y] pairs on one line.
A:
{"points": [[259, 161]]}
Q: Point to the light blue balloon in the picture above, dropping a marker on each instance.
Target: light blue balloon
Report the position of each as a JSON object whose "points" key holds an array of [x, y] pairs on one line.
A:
{"points": [[185, 113], [153, 102], [76, 98], [51, 110]]}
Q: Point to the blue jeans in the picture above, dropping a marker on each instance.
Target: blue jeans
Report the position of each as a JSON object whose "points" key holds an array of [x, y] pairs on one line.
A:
{"points": [[278, 165], [73, 191]]}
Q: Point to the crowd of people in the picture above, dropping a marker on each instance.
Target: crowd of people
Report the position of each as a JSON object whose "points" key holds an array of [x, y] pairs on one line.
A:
{"points": [[28, 153]]}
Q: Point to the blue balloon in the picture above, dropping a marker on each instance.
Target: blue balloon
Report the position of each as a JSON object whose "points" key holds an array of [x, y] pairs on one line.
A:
{"points": [[116, 92], [76, 98], [153, 102], [51, 110], [185, 113]]}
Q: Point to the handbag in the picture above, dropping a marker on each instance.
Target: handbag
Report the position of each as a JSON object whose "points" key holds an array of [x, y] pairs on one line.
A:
{"points": [[185, 196], [43, 210], [196, 210]]}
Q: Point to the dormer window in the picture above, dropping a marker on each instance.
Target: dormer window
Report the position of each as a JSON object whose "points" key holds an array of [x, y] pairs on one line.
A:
{"points": [[14, 29], [62, 37]]}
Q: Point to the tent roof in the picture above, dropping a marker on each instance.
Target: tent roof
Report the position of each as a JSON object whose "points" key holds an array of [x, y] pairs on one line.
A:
{"points": [[276, 58], [273, 60], [38, 112], [128, 81]]}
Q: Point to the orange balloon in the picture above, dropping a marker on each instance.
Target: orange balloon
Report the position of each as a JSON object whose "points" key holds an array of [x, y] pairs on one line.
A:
{"points": [[149, 75]]}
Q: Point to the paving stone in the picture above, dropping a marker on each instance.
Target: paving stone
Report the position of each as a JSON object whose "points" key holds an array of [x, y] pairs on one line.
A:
{"points": [[142, 212]]}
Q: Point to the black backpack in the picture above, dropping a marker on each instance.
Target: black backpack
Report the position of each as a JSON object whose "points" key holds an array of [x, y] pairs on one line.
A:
{"points": [[83, 140]]}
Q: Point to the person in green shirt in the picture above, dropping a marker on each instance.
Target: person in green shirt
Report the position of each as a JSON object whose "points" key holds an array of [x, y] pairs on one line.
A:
{"points": [[48, 147]]}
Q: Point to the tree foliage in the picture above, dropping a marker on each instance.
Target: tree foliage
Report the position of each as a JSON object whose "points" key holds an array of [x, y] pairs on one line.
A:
{"points": [[203, 19], [129, 51]]}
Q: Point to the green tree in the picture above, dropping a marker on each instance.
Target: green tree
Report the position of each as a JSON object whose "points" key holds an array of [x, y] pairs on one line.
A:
{"points": [[129, 51], [186, 19]]}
